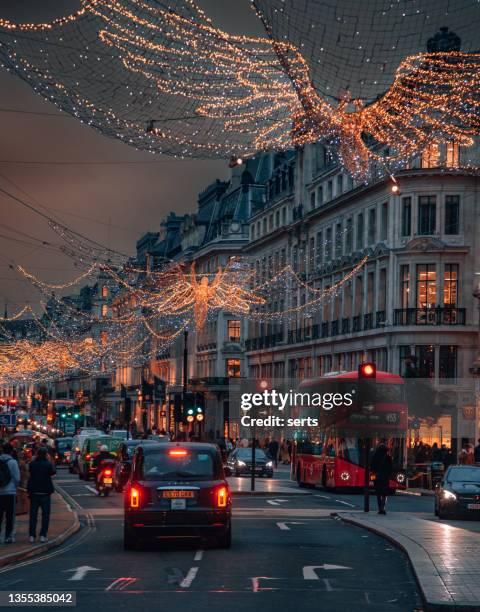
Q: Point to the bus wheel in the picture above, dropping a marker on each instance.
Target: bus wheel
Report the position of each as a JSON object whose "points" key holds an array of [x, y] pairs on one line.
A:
{"points": [[299, 479]]}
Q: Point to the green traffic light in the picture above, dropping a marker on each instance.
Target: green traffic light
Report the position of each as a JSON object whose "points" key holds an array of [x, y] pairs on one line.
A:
{"points": [[76, 416], [190, 411], [64, 415], [199, 409]]}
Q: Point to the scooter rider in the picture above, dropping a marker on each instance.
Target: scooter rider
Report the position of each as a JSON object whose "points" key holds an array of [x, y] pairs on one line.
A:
{"points": [[103, 455]]}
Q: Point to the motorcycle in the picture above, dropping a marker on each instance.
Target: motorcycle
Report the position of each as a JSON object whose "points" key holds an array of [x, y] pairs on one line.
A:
{"points": [[104, 479]]}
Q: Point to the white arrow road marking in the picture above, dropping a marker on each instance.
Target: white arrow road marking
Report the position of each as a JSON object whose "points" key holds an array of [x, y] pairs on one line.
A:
{"points": [[256, 583], [276, 502], [81, 572], [198, 555], [309, 572], [91, 489], [189, 578], [285, 526]]}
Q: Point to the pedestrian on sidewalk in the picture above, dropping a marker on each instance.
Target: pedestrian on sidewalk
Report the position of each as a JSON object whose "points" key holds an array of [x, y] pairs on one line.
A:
{"points": [[40, 489], [9, 481], [273, 447], [382, 467]]}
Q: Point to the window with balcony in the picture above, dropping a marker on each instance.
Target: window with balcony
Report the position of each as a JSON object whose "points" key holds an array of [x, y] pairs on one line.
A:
{"points": [[450, 285], [452, 154], [382, 290], [233, 368], [406, 221], [425, 360], [370, 291], [384, 225], [452, 214], [233, 329], [447, 366], [431, 156], [404, 351], [427, 215], [372, 225], [404, 285], [426, 285], [360, 231]]}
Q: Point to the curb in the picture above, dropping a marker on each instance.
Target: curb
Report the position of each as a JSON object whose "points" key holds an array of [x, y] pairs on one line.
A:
{"points": [[38, 549], [448, 604]]}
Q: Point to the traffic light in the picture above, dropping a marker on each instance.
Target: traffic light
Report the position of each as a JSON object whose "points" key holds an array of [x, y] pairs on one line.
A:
{"points": [[76, 415], [200, 406], [367, 386]]}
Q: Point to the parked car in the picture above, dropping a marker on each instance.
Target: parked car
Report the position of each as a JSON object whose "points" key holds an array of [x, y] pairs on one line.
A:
{"points": [[177, 491], [458, 494], [240, 462], [90, 448], [123, 462]]}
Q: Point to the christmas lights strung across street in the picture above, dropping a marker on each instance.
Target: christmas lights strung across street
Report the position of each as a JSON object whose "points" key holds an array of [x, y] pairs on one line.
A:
{"points": [[189, 89]]}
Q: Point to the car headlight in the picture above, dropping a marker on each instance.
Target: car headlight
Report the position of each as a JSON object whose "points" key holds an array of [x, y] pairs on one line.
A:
{"points": [[270, 464], [449, 495], [241, 463]]}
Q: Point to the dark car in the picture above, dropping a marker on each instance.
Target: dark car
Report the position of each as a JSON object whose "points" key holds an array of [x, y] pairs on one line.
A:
{"points": [[458, 494], [177, 491], [240, 462], [63, 450], [123, 462]]}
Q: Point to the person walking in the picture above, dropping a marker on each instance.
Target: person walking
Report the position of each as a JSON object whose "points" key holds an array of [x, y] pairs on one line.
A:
{"points": [[273, 451], [39, 489], [382, 467], [9, 481]]}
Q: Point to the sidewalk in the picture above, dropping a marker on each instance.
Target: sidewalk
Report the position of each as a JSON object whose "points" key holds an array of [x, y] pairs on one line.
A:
{"points": [[63, 523], [445, 559]]}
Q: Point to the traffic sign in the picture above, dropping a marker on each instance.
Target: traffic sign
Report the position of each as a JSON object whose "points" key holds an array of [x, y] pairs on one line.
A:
{"points": [[8, 420]]}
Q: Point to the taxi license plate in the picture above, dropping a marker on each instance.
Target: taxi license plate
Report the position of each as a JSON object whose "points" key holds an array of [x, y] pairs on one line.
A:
{"points": [[107, 481], [179, 494], [473, 506], [178, 504]]}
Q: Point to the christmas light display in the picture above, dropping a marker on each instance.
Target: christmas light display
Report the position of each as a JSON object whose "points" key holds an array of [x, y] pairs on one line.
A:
{"points": [[166, 80]]}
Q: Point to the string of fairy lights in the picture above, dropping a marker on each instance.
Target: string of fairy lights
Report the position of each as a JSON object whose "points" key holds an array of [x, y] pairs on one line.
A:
{"points": [[147, 310], [234, 95]]}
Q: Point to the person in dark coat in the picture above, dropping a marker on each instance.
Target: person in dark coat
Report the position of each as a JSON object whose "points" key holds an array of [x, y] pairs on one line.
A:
{"points": [[40, 488], [273, 447], [382, 467]]}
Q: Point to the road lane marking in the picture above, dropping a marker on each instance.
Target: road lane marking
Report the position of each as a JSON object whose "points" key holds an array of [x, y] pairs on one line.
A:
{"points": [[256, 583], [328, 586], [341, 501], [285, 526], [276, 502], [120, 584], [198, 555], [309, 572], [91, 489], [189, 578], [81, 571], [323, 496]]}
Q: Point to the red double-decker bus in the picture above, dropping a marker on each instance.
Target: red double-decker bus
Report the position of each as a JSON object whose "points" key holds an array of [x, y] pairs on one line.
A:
{"points": [[332, 454]]}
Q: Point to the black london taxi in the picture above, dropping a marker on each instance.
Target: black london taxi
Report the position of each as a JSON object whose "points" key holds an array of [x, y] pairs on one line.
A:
{"points": [[177, 491]]}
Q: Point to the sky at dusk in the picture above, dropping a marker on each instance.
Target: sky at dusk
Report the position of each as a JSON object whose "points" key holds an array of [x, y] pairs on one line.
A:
{"points": [[113, 203]]}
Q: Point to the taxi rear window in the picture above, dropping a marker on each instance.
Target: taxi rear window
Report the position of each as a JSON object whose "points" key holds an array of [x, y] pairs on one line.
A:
{"points": [[191, 464]]}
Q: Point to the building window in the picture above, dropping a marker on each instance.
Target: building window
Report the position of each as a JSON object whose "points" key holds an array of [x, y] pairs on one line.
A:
{"points": [[426, 360], [233, 368], [104, 291], [319, 250], [404, 285], [284, 215], [312, 200], [104, 310], [360, 231], [384, 228], [338, 240], [404, 351], [329, 190], [426, 286], [349, 236], [406, 226], [431, 156], [427, 213], [382, 290], [450, 285], [370, 291], [320, 195], [328, 244], [277, 218], [372, 225], [339, 184], [452, 214], [451, 155], [448, 362], [234, 330]]}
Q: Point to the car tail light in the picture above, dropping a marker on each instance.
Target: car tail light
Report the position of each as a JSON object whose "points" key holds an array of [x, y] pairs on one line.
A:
{"points": [[178, 452], [134, 497], [222, 497], [87, 456], [108, 472]]}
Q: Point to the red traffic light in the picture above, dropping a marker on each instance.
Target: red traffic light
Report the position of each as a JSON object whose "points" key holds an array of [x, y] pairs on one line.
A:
{"points": [[367, 370], [264, 384]]}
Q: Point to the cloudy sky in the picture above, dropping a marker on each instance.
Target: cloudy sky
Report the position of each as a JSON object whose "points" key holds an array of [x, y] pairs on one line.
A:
{"points": [[113, 202]]}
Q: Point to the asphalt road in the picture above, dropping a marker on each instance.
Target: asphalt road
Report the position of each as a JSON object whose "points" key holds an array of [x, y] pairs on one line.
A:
{"points": [[288, 554]]}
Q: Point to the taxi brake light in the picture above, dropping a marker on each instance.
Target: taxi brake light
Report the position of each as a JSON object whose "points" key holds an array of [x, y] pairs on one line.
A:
{"points": [[222, 496], [134, 497], [108, 472], [178, 453]]}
